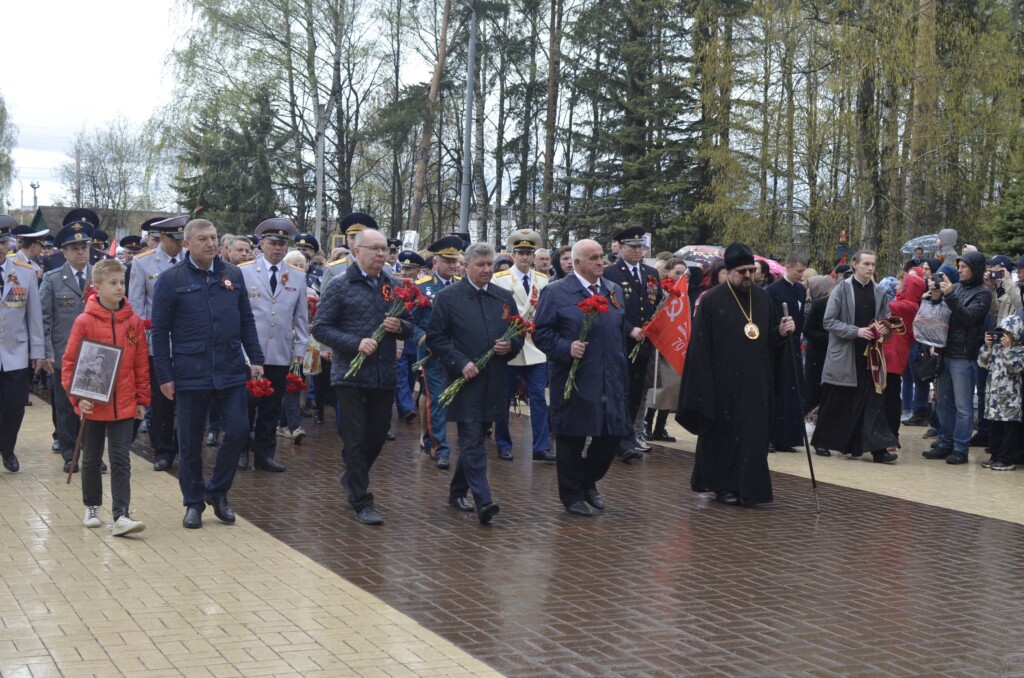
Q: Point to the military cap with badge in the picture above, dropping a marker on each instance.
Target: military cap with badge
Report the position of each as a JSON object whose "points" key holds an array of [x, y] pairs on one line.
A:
{"points": [[278, 229], [449, 246], [172, 227], [306, 240]]}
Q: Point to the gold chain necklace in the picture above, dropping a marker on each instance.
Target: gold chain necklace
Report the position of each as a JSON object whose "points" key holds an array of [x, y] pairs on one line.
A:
{"points": [[750, 329]]}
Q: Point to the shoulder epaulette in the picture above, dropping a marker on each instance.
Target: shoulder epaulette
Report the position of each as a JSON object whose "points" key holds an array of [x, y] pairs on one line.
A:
{"points": [[339, 261], [424, 279], [543, 275], [501, 274], [22, 264], [144, 254], [247, 263]]}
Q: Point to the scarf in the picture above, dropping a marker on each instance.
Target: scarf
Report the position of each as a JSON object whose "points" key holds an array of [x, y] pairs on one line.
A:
{"points": [[876, 357]]}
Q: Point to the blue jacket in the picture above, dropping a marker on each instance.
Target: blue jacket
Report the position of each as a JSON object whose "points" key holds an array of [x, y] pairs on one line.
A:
{"points": [[201, 323]]}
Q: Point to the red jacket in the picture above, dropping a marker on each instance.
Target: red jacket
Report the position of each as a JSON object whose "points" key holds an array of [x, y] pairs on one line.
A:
{"points": [[122, 328], [897, 346]]}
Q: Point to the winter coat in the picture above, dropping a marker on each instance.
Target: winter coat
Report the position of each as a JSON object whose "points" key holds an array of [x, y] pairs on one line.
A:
{"points": [[840, 361], [947, 247], [1003, 389], [121, 328], [969, 304], [896, 347], [1006, 299]]}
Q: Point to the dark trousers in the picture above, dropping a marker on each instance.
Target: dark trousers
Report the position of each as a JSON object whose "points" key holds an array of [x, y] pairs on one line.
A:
{"points": [[637, 383], [1004, 437], [161, 427], [536, 377], [13, 396], [193, 408], [264, 413], [119, 437], [322, 387], [65, 419], [577, 474], [364, 421], [893, 401], [471, 468]]}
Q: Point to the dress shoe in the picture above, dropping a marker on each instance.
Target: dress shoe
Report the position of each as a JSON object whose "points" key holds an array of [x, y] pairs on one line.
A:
{"points": [[630, 455], [937, 453], [785, 449], [546, 455], [956, 458], [67, 467], [647, 431], [931, 433], [461, 503], [221, 508], [916, 420], [822, 452], [55, 446], [661, 435], [505, 454], [885, 458], [390, 436], [727, 498], [642, 444], [162, 464], [268, 465], [369, 516], [595, 499], [211, 439], [443, 463], [193, 518], [243, 461], [11, 463], [486, 512], [579, 508]]}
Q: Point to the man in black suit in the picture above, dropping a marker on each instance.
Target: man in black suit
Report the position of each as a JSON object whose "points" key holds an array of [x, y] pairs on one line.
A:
{"points": [[641, 286]]}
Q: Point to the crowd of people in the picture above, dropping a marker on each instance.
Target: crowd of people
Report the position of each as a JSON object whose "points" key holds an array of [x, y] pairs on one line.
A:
{"points": [[229, 341]]}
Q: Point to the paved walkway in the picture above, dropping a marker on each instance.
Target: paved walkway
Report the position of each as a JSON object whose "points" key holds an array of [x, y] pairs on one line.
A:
{"points": [[909, 569]]}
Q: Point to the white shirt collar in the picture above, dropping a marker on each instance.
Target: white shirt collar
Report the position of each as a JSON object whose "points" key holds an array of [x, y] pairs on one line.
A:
{"points": [[586, 284]]}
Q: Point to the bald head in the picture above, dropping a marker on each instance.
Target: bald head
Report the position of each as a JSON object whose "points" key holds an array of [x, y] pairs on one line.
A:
{"points": [[588, 260]]}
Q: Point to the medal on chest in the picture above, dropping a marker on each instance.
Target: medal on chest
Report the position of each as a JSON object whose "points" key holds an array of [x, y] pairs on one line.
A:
{"points": [[750, 330]]}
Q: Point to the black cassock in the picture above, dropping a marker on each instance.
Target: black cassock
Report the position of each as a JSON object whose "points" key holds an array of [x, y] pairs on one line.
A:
{"points": [[728, 393], [789, 409]]}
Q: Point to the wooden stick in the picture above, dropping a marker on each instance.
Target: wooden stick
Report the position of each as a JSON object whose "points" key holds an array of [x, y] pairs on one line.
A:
{"points": [[78, 447]]}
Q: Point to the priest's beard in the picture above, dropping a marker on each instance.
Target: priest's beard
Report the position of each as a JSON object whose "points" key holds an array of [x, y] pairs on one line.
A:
{"points": [[745, 285]]}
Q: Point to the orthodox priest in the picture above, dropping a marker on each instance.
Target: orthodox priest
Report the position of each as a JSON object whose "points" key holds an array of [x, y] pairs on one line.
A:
{"points": [[727, 393]]}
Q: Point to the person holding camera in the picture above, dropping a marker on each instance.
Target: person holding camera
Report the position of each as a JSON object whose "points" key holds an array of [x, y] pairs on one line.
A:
{"points": [[1002, 358]]}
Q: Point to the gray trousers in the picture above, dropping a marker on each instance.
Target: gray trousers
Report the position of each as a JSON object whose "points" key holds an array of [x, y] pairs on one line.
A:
{"points": [[119, 437], [66, 419]]}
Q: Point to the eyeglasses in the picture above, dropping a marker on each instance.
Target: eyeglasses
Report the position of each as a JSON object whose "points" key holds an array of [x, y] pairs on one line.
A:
{"points": [[746, 271]]}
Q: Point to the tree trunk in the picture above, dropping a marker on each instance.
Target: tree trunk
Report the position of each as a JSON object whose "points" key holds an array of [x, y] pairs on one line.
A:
{"points": [[550, 119]]}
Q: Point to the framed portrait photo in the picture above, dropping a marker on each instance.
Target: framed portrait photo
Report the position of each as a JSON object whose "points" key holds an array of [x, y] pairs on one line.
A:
{"points": [[96, 371]]}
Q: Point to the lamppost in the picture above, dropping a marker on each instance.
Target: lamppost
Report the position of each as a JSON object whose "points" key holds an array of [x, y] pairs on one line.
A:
{"points": [[35, 187], [467, 139]]}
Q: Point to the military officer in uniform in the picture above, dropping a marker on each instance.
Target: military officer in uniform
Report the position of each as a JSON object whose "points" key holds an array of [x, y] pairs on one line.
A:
{"points": [[30, 247], [525, 285], [350, 225], [62, 298], [308, 245], [22, 344], [394, 244], [277, 295], [79, 215], [146, 268], [132, 245], [446, 253], [641, 286]]}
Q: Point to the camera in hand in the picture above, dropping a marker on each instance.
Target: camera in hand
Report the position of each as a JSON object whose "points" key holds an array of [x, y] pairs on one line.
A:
{"points": [[939, 277], [996, 275]]}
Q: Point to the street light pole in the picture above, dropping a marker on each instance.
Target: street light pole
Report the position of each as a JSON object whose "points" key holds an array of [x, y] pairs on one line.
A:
{"points": [[467, 145]]}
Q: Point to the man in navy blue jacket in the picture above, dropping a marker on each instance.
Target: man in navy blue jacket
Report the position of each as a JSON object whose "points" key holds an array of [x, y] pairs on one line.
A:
{"points": [[201, 322]]}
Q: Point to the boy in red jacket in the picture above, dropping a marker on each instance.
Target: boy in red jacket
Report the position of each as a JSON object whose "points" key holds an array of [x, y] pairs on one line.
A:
{"points": [[108, 319]]}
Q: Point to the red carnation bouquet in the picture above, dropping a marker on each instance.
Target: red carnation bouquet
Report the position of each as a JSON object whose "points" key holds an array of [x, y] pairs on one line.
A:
{"points": [[516, 325], [404, 299], [259, 387], [294, 379], [591, 307], [668, 286], [311, 306]]}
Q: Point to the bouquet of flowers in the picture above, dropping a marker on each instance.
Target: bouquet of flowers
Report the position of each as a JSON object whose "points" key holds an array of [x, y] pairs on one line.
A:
{"points": [[516, 325], [294, 380], [591, 307], [311, 305], [668, 286], [404, 299], [259, 387]]}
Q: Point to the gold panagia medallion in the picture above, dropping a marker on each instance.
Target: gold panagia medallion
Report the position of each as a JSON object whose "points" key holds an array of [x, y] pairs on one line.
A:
{"points": [[750, 329]]}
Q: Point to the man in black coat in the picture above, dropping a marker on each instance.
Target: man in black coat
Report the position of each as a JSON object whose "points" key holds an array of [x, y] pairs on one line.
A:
{"points": [[468, 319], [641, 286], [788, 431]]}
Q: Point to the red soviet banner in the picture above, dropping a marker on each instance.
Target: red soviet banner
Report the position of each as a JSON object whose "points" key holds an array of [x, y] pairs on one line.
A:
{"points": [[669, 330]]}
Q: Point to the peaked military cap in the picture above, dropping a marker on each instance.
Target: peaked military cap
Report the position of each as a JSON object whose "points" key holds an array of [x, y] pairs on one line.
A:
{"points": [[100, 237], [394, 243], [172, 227], [449, 246], [278, 229], [633, 235], [357, 221], [83, 216], [464, 235], [7, 223], [410, 259], [307, 240], [524, 239], [75, 232], [26, 233], [132, 243]]}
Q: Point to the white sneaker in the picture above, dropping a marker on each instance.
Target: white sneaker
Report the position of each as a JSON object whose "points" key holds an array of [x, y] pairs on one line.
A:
{"points": [[283, 432], [298, 435], [92, 517], [125, 525]]}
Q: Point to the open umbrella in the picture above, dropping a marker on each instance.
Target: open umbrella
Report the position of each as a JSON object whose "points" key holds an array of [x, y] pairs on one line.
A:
{"points": [[775, 267], [925, 242], [700, 254]]}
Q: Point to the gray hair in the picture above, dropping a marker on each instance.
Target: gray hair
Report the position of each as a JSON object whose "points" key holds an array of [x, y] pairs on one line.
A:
{"points": [[197, 225], [479, 249], [229, 239], [542, 249]]}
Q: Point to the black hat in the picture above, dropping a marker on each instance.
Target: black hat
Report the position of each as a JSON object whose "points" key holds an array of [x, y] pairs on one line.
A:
{"points": [[278, 229], [1000, 260], [147, 225], [844, 269], [75, 232], [448, 246], [48, 241], [254, 240], [82, 216], [27, 234], [464, 235], [738, 254], [633, 235], [357, 221], [409, 259], [172, 227], [100, 237], [307, 240], [394, 243], [132, 243], [7, 223]]}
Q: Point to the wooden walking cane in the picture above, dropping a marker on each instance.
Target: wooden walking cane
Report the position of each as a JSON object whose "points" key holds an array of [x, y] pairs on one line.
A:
{"points": [[800, 398], [78, 447]]}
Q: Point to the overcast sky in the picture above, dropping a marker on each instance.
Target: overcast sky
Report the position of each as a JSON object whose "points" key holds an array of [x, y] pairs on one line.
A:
{"points": [[72, 65]]}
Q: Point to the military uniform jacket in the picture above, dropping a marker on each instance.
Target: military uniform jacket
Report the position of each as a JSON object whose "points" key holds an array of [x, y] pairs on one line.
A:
{"points": [[23, 258], [430, 286], [146, 268], [282, 317], [512, 281], [21, 318], [62, 301], [641, 300], [333, 270]]}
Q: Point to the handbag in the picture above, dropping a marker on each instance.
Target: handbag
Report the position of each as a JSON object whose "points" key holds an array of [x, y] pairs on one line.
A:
{"points": [[927, 365], [931, 325]]}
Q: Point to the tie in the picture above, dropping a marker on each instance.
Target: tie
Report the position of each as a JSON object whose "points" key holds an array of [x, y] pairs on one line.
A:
{"points": [[273, 279], [174, 260], [593, 289], [447, 283], [526, 283], [81, 281], [636, 275]]}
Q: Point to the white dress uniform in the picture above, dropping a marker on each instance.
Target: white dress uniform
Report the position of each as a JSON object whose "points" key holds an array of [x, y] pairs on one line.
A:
{"points": [[146, 268], [512, 280], [282, 317]]}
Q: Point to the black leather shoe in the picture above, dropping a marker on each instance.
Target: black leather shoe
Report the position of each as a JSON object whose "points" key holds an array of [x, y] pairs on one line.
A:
{"points": [[461, 503], [579, 509], [369, 516], [389, 436], [662, 435], [886, 458], [67, 467], [728, 498], [443, 463], [268, 465], [505, 454], [11, 464], [822, 452], [937, 453], [956, 458], [630, 455], [162, 464], [486, 512], [193, 518], [222, 509], [595, 499], [544, 456]]}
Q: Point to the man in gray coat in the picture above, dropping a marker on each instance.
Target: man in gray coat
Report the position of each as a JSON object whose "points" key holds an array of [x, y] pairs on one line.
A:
{"points": [[468, 319]]}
